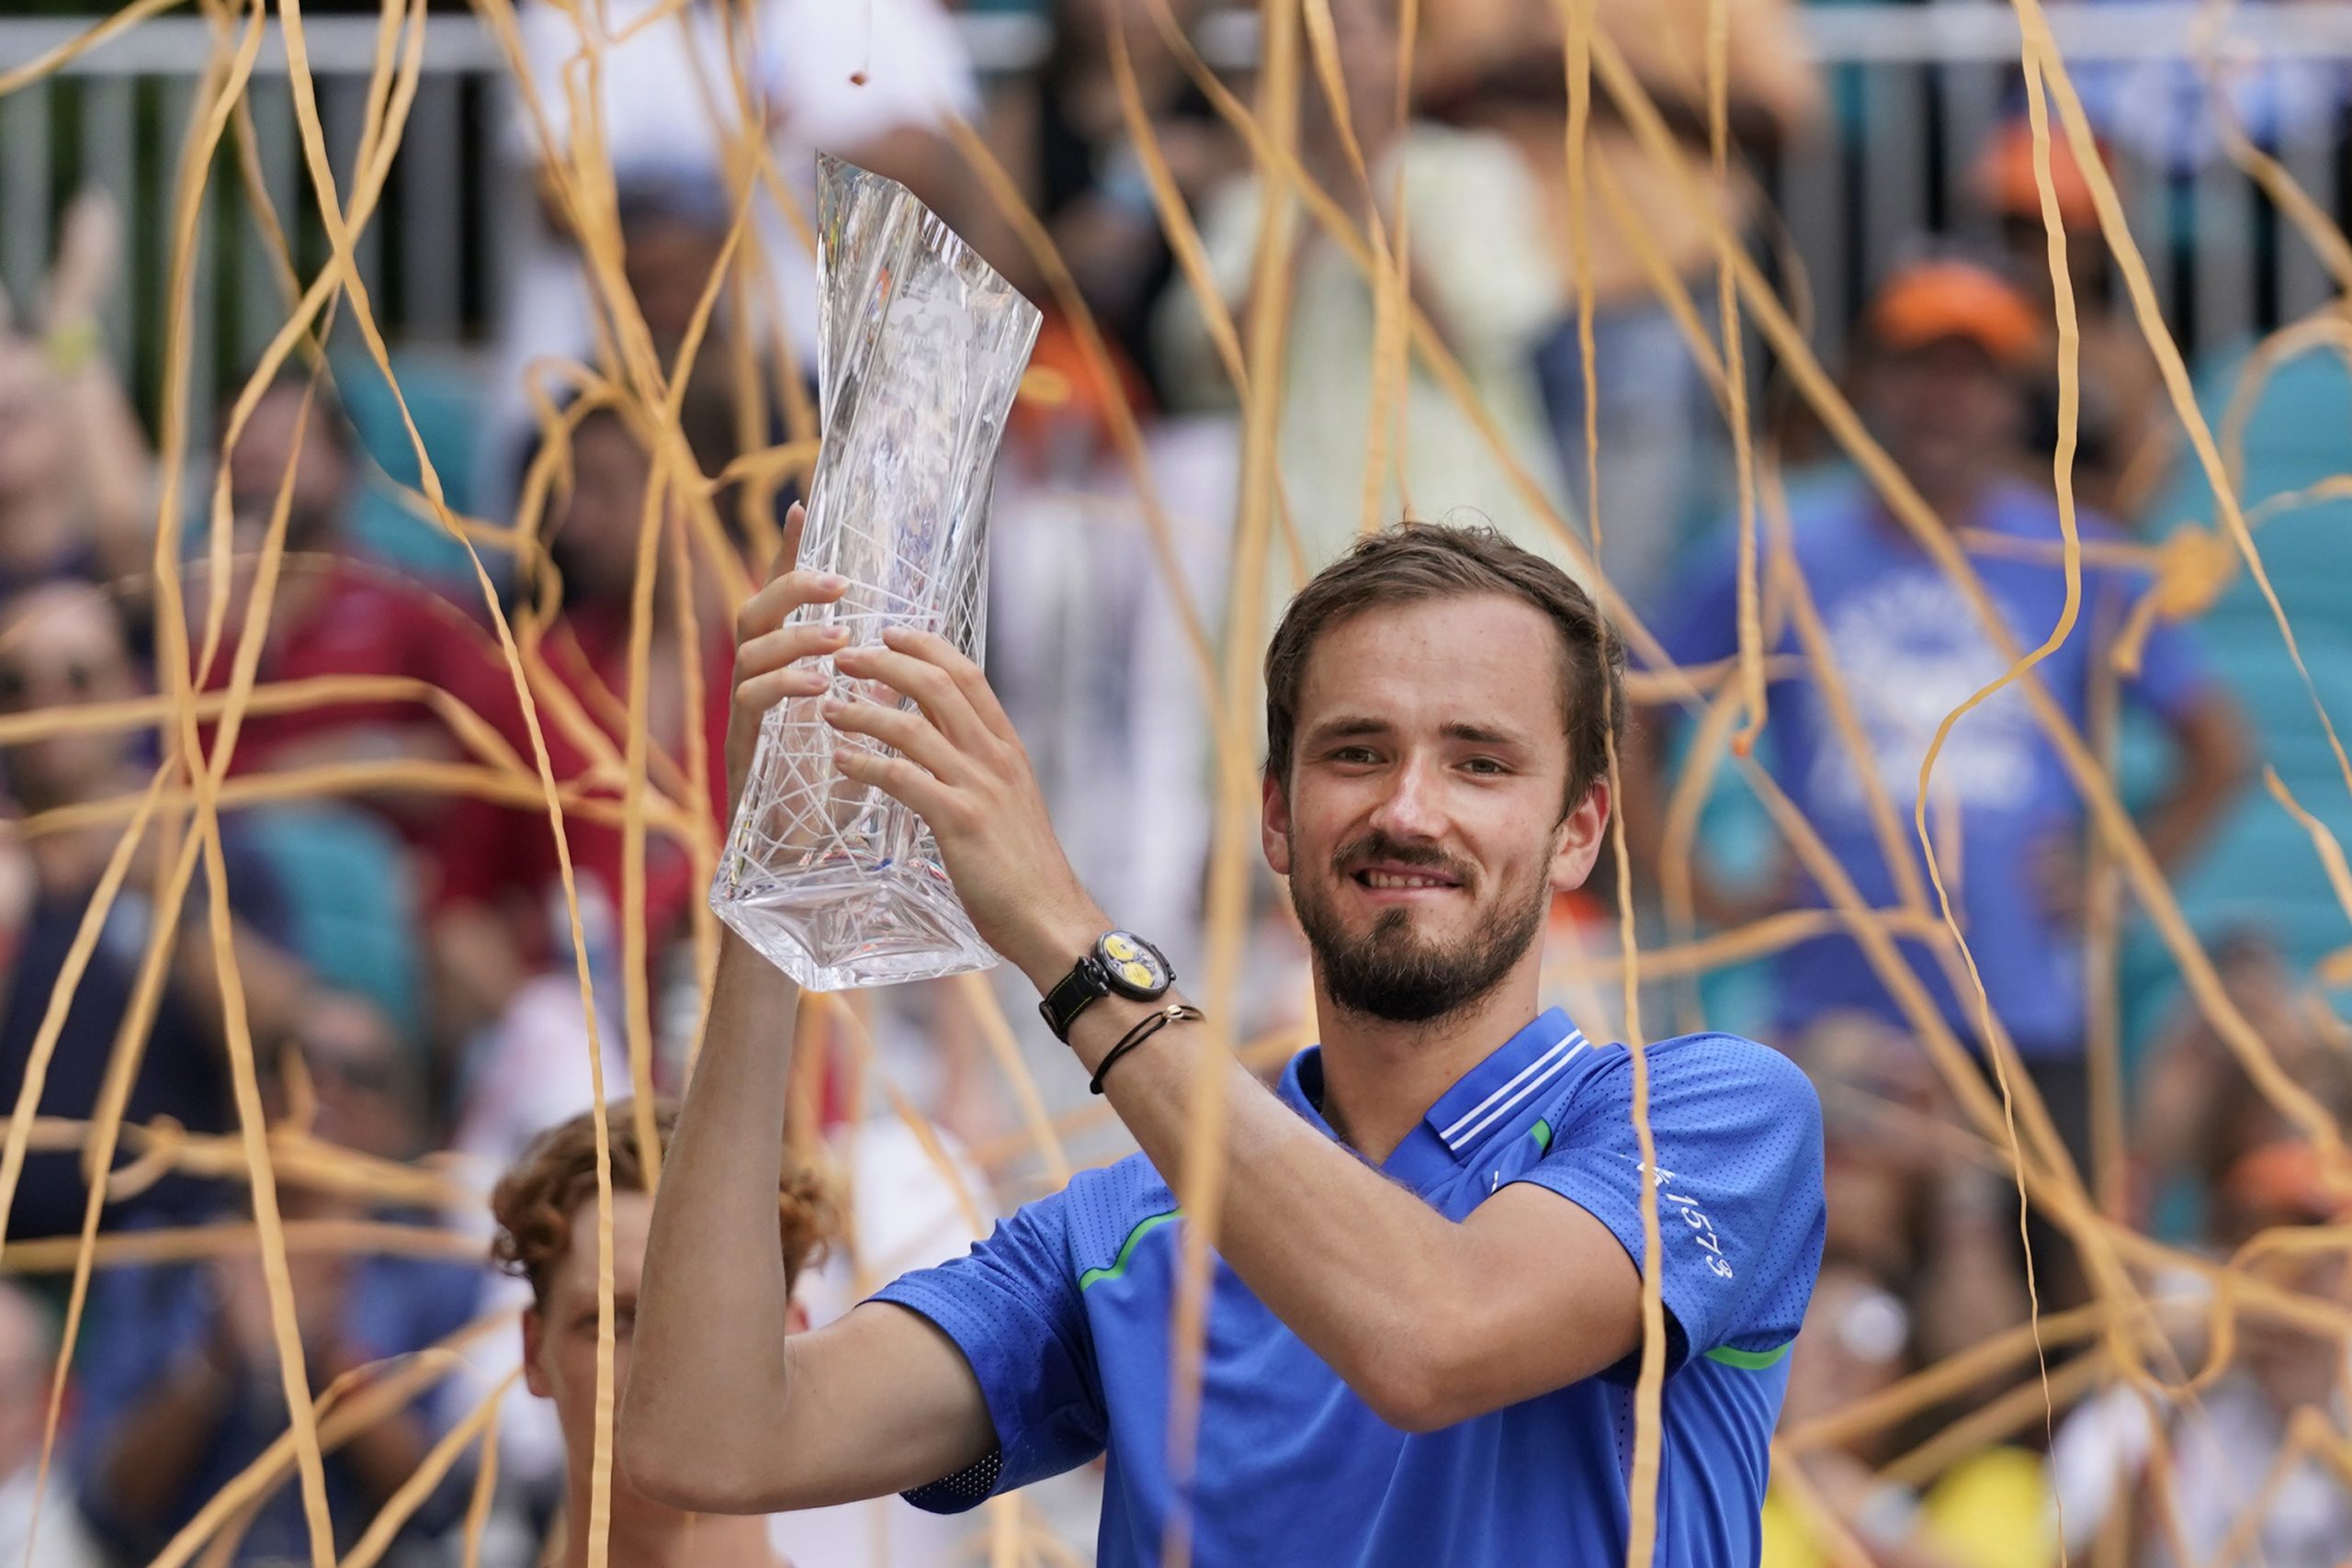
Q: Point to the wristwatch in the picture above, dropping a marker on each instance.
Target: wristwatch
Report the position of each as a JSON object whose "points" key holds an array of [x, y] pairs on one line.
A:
{"points": [[1120, 965]]}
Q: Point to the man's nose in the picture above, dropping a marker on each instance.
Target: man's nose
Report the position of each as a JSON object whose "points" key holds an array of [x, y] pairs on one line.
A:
{"points": [[1410, 809]]}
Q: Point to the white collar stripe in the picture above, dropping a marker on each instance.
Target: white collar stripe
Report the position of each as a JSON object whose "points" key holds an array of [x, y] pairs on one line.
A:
{"points": [[1551, 1051], [1515, 1101], [1571, 1042]]}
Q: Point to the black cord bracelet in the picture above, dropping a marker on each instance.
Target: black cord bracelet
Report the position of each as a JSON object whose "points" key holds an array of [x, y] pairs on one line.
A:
{"points": [[1175, 1013]]}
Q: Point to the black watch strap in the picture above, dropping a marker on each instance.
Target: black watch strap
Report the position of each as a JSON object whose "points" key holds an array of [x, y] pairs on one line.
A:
{"points": [[1083, 986]]}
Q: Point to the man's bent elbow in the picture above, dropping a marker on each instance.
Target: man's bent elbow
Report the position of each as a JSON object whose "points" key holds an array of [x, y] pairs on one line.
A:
{"points": [[698, 1477], [1412, 1393], [1445, 1381]]}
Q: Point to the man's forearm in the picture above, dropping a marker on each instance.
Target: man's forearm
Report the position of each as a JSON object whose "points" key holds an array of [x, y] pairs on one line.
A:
{"points": [[1390, 1294], [1428, 1321], [1356, 1266], [706, 1375]]}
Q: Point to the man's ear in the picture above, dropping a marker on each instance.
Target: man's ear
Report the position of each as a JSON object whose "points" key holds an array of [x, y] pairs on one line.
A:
{"points": [[1273, 823], [1582, 831], [534, 1334]]}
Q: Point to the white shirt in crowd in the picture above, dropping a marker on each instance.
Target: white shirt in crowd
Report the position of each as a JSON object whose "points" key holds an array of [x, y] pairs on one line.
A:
{"points": [[828, 74], [2222, 1449], [64, 1542]]}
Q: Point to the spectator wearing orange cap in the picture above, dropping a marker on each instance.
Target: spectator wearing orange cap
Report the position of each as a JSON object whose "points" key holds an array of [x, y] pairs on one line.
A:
{"points": [[2195, 1112], [2125, 434], [1943, 377]]}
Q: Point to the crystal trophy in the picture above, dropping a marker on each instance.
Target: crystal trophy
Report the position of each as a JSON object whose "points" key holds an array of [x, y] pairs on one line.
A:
{"points": [[921, 345]]}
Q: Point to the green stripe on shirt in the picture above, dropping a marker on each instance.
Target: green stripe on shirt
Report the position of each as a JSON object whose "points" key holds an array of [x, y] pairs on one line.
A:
{"points": [[1749, 1361], [1093, 1277]]}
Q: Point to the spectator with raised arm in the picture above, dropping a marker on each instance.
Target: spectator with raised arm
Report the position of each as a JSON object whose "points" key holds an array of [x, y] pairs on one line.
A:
{"points": [[76, 475]]}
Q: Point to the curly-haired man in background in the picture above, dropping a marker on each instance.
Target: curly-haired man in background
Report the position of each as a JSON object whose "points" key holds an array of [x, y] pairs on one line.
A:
{"points": [[545, 1209]]}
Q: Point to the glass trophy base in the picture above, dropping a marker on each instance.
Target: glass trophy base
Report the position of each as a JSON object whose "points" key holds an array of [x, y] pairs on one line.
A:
{"points": [[833, 882], [856, 923]]}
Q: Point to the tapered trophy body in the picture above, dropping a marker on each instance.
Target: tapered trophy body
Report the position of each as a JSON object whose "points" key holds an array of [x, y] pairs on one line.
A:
{"points": [[922, 344]]}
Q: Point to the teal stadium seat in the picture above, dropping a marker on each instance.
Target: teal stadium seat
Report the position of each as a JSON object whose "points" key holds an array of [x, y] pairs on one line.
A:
{"points": [[352, 908], [444, 398], [2262, 872]]}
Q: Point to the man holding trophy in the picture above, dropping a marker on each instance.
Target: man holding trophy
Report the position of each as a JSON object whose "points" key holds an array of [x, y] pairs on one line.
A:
{"points": [[1424, 1326]]}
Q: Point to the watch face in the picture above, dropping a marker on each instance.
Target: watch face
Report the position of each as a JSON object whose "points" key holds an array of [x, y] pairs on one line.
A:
{"points": [[1133, 965]]}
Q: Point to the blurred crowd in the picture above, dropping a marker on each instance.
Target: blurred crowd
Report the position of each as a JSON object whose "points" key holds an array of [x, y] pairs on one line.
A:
{"points": [[410, 968]]}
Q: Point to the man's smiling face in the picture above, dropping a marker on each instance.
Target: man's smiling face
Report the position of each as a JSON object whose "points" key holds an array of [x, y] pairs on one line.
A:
{"points": [[1420, 825]]}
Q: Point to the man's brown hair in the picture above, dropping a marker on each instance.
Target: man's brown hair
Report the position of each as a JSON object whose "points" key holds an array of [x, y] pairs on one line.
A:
{"points": [[1416, 561], [536, 1199]]}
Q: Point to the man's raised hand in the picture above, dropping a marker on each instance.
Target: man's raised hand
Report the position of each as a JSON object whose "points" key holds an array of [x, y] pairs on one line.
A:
{"points": [[962, 770]]}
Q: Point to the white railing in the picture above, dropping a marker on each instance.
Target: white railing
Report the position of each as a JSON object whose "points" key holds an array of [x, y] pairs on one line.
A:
{"points": [[1918, 88], [437, 259]]}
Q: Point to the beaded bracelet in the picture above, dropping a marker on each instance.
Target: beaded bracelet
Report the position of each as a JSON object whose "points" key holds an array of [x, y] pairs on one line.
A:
{"points": [[1175, 1013]]}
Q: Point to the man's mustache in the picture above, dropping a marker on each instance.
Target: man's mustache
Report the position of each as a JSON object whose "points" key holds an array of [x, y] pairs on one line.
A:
{"points": [[1378, 848]]}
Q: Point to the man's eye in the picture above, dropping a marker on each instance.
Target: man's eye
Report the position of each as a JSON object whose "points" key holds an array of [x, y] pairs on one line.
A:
{"points": [[1354, 754], [1488, 765]]}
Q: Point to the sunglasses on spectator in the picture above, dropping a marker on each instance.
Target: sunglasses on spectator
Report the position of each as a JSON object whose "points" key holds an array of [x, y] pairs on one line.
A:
{"points": [[71, 681], [358, 1074]]}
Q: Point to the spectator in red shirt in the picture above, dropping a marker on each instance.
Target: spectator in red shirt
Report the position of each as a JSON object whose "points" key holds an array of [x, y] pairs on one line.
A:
{"points": [[500, 920], [337, 614]]}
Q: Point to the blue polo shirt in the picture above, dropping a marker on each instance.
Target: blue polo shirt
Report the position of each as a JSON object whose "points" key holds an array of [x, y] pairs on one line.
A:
{"points": [[1065, 1312]]}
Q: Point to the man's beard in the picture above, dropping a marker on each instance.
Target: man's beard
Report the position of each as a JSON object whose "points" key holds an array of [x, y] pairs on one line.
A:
{"points": [[1389, 972]]}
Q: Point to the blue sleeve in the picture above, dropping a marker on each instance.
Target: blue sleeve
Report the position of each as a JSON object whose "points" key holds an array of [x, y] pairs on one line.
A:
{"points": [[1012, 1307], [1738, 1128], [2172, 672]]}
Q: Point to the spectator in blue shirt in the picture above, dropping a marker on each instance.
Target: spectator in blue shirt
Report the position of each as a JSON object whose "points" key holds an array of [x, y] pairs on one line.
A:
{"points": [[1424, 1325], [181, 1388], [63, 647], [1951, 352]]}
